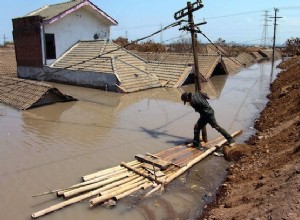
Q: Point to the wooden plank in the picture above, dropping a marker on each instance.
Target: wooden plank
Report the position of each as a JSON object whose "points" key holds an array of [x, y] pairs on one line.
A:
{"points": [[150, 167], [162, 164], [154, 156]]}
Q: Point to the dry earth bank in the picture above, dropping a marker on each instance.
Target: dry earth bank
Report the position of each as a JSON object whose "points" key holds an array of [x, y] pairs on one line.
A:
{"points": [[264, 180]]}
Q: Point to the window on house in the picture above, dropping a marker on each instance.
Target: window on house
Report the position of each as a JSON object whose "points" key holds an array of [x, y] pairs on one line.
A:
{"points": [[50, 46]]}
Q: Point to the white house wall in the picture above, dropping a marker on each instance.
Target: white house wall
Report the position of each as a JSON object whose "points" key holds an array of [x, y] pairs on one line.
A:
{"points": [[79, 25]]}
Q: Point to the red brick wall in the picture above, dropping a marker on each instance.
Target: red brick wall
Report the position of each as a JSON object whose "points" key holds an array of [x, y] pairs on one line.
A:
{"points": [[27, 39]]}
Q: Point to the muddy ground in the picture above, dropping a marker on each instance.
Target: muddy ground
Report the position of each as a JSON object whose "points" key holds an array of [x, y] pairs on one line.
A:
{"points": [[264, 180]]}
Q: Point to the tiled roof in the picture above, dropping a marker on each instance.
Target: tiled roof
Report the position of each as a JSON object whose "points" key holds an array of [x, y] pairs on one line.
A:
{"points": [[258, 56], [49, 12], [245, 58], [133, 79], [215, 49], [8, 64], [24, 94], [106, 57], [85, 56], [232, 65], [136, 72], [169, 74], [206, 63]]}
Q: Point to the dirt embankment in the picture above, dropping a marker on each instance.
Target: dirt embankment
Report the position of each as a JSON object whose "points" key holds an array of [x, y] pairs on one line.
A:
{"points": [[264, 181]]}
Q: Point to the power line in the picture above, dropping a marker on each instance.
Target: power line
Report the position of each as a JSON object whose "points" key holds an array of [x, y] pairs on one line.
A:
{"points": [[233, 15]]}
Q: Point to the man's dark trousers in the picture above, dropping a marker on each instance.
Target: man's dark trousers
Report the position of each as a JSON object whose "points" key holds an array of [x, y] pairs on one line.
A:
{"points": [[210, 119]]}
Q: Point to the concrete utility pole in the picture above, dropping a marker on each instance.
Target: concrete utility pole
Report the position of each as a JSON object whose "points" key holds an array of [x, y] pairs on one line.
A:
{"points": [[192, 27], [274, 36]]}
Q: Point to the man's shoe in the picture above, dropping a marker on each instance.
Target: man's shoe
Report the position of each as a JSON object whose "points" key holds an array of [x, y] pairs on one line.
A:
{"points": [[198, 146]]}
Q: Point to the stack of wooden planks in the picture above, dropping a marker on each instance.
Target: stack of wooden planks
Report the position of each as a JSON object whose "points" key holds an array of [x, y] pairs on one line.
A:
{"points": [[146, 171]]}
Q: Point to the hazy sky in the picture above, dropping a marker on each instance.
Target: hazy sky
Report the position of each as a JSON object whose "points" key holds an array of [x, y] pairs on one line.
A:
{"points": [[240, 21]]}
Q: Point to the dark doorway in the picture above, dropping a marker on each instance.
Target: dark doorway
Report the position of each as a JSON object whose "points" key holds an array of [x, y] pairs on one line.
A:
{"points": [[219, 70], [50, 46]]}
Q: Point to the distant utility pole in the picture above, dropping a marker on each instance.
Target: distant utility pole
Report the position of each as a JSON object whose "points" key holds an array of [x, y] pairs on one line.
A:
{"points": [[193, 28], [274, 36], [265, 36], [161, 34], [4, 40]]}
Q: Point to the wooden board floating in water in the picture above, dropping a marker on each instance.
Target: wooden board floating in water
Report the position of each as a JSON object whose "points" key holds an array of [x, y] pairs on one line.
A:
{"points": [[127, 178]]}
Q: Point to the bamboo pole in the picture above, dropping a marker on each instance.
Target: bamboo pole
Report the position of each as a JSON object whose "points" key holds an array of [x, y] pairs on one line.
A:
{"points": [[95, 180], [141, 173], [152, 191], [81, 197], [92, 178], [197, 159], [129, 192], [106, 171], [110, 194], [99, 184], [95, 185]]}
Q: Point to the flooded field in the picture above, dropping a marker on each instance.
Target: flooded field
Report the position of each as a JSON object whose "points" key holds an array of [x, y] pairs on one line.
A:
{"points": [[51, 147]]}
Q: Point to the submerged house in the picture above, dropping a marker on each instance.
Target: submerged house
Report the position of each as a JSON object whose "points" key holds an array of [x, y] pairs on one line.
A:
{"points": [[69, 43], [45, 34]]}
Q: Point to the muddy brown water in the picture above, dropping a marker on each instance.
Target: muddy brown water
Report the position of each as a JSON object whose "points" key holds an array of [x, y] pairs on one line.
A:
{"points": [[51, 147]]}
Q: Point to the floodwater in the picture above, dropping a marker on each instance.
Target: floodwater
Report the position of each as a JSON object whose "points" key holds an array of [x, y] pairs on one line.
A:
{"points": [[51, 147]]}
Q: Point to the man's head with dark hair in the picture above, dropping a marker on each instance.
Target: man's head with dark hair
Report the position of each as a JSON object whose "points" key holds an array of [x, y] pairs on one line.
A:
{"points": [[186, 97]]}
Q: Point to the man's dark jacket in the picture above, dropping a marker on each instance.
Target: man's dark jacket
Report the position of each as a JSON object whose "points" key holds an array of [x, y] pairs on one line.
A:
{"points": [[200, 104]]}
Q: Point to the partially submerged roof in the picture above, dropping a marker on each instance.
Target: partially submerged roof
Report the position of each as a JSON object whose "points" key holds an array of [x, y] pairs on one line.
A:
{"points": [[245, 58], [138, 72], [170, 75], [232, 65], [207, 63], [52, 13], [106, 57], [258, 56], [25, 94]]}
